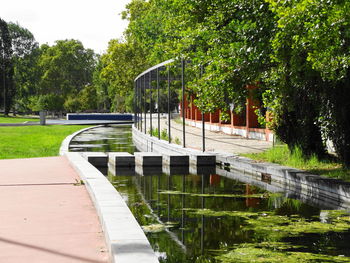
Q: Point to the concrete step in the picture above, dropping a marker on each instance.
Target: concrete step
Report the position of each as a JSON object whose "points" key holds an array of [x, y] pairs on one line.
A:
{"points": [[148, 159], [203, 159], [97, 159], [176, 160]]}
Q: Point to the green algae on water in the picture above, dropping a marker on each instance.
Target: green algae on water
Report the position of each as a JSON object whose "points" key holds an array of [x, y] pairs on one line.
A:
{"points": [[265, 222], [249, 254], [212, 213], [293, 226]]}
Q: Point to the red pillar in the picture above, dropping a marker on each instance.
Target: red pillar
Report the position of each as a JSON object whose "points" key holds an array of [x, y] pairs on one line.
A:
{"points": [[215, 117], [251, 106], [192, 108]]}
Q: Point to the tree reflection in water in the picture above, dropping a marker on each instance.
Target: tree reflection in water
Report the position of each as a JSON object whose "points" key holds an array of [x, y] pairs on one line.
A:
{"points": [[208, 216]]}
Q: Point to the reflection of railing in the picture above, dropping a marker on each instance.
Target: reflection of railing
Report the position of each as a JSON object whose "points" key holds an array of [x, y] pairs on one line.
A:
{"points": [[143, 82], [312, 196], [142, 190]]}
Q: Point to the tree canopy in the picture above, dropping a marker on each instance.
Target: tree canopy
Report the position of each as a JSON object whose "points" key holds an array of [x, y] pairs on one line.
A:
{"points": [[55, 78], [296, 52], [66, 68], [6, 78]]}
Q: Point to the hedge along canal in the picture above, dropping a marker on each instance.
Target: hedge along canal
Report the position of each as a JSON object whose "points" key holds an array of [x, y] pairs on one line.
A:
{"points": [[208, 217]]}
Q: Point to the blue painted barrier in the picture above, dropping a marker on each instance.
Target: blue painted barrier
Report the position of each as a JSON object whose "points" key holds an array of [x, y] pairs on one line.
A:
{"points": [[104, 117]]}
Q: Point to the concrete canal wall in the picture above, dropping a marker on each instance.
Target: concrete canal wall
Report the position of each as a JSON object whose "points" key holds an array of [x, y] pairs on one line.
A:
{"points": [[287, 178]]}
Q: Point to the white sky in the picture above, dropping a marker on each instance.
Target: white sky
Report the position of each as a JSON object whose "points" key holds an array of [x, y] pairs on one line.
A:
{"points": [[93, 22]]}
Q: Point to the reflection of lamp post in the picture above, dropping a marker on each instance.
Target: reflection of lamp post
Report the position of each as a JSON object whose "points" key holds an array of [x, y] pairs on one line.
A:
{"points": [[183, 211], [158, 195], [151, 190], [202, 217], [169, 198]]}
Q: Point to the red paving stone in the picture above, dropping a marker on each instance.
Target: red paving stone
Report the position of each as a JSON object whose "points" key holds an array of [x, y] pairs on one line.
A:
{"points": [[45, 216]]}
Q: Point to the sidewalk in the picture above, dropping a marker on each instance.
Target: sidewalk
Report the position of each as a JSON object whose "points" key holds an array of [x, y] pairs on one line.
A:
{"points": [[214, 141], [45, 215]]}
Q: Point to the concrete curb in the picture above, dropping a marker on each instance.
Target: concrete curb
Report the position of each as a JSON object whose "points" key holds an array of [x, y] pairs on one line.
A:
{"points": [[289, 178], [125, 238], [146, 143]]}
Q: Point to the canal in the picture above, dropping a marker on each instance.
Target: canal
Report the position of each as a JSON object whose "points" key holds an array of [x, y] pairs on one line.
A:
{"points": [[202, 216]]}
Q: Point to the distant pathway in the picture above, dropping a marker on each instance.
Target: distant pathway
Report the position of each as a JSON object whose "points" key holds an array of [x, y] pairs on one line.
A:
{"points": [[215, 141], [46, 215]]}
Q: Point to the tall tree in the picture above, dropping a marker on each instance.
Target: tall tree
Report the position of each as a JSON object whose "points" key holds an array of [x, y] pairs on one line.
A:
{"points": [[122, 62], [297, 52], [101, 86], [24, 58], [311, 78], [66, 68], [6, 78]]}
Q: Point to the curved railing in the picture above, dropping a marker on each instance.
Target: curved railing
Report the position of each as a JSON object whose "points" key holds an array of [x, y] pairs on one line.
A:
{"points": [[144, 82], [244, 124]]}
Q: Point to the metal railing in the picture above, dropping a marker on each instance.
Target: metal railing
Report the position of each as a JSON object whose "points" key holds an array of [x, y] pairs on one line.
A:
{"points": [[143, 82]]}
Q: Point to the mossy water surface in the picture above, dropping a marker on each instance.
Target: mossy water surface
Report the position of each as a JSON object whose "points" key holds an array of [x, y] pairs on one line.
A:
{"points": [[208, 218]]}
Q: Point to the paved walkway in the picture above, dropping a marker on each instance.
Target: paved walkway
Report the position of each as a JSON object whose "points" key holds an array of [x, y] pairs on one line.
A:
{"points": [[215, 141], [45, 216]]}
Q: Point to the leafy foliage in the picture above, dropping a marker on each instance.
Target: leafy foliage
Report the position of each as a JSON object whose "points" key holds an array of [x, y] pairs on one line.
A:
{"points": [[296, 52], [6, 78], [310, 78], [45, 78], [119, 66]]}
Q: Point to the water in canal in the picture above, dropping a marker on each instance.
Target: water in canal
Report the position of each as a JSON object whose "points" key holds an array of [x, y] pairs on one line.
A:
{"points": [[104, 139], [207, 217]]}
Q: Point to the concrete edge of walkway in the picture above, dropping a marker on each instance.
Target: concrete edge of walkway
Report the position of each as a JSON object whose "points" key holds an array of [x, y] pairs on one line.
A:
{"points": [[65, 143], [146, 143], [125, 239], [298, 180]]}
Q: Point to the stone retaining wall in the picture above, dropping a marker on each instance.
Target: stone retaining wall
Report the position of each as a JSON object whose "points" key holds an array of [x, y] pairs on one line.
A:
{"points": [[287, 178]]}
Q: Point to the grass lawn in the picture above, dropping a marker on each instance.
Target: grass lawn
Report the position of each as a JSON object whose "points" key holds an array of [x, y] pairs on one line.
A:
{"points": [[33, 141], [17, 119], [281, 155]]}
